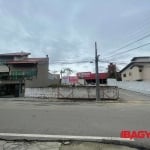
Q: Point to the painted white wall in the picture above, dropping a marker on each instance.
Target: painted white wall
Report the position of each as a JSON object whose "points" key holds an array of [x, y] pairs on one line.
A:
{"points": [[146, 72], [132, 74], [106, 92], [137, 86]]}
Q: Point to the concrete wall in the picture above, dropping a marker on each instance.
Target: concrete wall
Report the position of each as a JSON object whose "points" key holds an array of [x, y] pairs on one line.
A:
{"points": [[106, 92], [42, 77], [137, 86], [146, 72]]}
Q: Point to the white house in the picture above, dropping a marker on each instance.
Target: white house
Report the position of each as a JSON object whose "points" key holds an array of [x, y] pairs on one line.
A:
{"points": [[137, 70]]}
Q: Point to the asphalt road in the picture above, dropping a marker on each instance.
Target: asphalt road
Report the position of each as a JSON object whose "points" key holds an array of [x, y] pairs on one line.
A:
{"points": [[132, 96], [81, 119]]}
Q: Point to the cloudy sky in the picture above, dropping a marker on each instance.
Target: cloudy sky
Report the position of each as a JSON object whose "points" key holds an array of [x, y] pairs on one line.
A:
{"points": [[67, 29]]}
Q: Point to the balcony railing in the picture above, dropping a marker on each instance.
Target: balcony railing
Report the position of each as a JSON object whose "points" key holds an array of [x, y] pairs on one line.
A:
{"points": [[17, 74], [23, 73]]}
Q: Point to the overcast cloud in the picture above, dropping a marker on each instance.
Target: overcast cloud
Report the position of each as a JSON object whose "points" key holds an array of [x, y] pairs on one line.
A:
{"points": [[66, 29]]}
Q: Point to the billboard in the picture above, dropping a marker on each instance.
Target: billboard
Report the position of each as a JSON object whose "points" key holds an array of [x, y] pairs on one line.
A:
{"points": [[69, 80], [65, 80], [91, 76], [73, 79], [83, 75]]}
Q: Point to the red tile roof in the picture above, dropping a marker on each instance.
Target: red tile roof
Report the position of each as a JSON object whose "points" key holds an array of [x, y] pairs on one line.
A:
{"points": [[38, 59], [29, 61], [16, 54]]}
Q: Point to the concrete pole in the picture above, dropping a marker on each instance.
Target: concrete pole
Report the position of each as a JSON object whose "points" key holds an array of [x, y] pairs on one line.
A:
{"points": [[97, 74]]}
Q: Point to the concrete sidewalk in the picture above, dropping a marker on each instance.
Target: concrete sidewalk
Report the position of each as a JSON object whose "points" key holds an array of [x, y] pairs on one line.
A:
{"points": [[14, 145]]}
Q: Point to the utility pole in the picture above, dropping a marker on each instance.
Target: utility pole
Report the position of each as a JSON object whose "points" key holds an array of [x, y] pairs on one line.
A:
{"points": [[97, 74]]}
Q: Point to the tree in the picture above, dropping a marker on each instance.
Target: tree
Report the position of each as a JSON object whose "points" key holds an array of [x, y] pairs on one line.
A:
{"points": [[112, 70], [67, 71]]}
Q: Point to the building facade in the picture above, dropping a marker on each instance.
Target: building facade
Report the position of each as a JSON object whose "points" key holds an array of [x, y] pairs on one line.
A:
{"points": [[137, 70], [90, 78], [41, 78], [18, 71]]}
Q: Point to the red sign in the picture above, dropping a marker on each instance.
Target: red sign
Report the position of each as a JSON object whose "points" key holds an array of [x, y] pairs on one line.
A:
{"points": [[91, 76], [84, 74], [73, 79]]}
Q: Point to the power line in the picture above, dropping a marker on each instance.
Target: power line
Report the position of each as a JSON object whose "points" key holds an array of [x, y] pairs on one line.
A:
{"points": [[89, 61], [109, 61], [103, 61], [74, 62], [129, 50], [140, 27], [131, 43]]}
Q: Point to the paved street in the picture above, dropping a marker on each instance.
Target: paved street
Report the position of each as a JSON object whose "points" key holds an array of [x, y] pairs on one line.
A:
{"points": [[84, 119], [132, 96]]}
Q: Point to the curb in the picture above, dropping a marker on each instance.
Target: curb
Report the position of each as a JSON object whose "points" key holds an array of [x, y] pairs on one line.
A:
{"points": [[63, 138], [46, 137]]}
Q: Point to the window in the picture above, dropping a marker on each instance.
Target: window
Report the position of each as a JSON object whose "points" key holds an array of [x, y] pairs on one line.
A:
{"points": [[130, 74], [140, 69], [124, 75]]}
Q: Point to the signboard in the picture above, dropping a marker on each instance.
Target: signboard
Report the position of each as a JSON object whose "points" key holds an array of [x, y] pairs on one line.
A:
{"points": [[65, 80], [91, 76], [84, 75], [73, 79]]}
